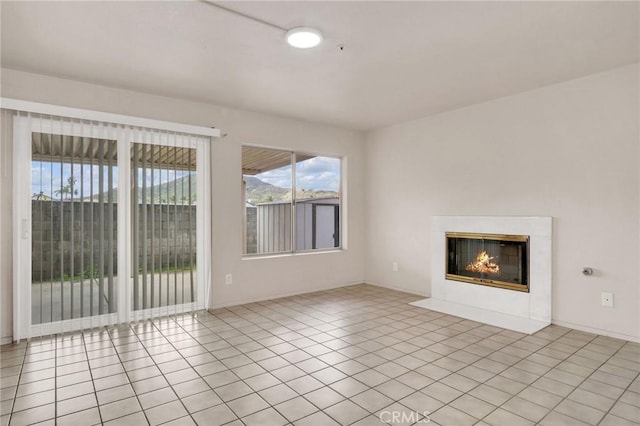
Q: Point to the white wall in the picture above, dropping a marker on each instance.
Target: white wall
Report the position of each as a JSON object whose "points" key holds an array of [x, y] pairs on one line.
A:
{"points": [[253, 279], [570, 151]]}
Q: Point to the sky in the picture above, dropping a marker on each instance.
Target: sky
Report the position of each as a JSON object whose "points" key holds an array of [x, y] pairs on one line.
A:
{"points": [[317, 173], [47, 177]]}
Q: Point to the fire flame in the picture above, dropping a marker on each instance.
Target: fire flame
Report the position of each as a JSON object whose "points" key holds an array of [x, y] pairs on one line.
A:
{"points": [[484, 264]]}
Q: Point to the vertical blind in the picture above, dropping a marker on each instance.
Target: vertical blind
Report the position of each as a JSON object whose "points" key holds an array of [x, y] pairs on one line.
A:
{"points": [[164, 225], [111, 221], [73, 239]]}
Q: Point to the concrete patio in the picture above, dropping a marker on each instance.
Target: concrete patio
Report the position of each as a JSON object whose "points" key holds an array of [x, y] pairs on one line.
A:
{"points": [[83, 298]]}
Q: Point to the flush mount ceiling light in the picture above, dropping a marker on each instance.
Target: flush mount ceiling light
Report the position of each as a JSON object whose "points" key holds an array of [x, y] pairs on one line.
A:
{"points": [[304, 37], [300, 37]]}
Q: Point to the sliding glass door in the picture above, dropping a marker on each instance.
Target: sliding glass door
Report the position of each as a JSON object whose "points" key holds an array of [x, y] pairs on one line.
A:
{"points": [[111, 224]]}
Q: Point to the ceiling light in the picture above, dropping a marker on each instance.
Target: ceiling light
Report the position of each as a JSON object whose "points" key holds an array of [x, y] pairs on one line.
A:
{"points": [[304, 37]]}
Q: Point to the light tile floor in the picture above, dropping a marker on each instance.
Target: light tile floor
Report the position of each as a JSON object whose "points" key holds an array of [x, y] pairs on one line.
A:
{"points": [[353, 355]]}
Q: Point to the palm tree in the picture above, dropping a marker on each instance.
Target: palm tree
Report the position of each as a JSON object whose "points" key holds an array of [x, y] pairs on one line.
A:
{"points": [[69, 189]]}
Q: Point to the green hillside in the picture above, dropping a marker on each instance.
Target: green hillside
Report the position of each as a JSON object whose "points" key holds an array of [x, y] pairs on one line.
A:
{"points": [[169, 192], [259, 192]]}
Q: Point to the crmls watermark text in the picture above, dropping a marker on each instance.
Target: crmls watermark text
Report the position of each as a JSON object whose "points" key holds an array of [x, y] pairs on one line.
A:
{"points": [[408, 417]]}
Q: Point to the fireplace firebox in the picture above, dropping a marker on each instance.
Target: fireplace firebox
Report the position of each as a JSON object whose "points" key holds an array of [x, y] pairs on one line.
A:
{"points": [[488, 259]]}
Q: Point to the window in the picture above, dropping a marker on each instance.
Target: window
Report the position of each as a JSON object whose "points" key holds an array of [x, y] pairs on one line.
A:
{"points": [[292, 201]]}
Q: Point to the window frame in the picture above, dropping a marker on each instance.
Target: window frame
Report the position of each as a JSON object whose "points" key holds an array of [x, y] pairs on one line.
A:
{"points": [[293, 203]]}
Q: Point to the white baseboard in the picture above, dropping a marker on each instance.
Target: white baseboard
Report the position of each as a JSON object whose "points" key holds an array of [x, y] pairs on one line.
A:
{"points": [[279, 295], [399, 288], [599, 331], [567, 324]]}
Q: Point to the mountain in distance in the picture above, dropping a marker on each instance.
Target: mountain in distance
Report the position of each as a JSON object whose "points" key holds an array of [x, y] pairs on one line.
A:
{"points": [[259, 192], [169, 192], [177, 191], [174, 190]]}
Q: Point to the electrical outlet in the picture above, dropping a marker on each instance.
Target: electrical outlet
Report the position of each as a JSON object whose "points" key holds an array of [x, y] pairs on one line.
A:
{"points": [[394, 266], [607, 299], [228, 279]]}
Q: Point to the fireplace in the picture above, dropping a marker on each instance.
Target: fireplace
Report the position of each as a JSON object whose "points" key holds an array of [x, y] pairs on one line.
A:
{"points": [[496, 301], [488, 259]]}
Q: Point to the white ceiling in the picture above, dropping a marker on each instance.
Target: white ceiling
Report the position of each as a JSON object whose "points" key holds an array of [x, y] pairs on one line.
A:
{"points": [[401, 61]]}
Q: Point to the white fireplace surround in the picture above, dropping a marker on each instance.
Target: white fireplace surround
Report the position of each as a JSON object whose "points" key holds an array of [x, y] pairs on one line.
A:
{"points": [[514, 310]]}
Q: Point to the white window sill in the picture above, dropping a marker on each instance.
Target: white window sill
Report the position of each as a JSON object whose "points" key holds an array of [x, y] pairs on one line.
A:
{"points": [[281, 255]]}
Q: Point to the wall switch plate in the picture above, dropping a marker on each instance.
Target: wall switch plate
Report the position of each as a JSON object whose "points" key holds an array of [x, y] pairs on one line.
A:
{"points": [[394, 266], [607, 299], [228, 279]]}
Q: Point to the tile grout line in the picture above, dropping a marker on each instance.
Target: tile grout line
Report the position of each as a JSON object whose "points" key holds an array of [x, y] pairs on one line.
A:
{"points": [[575, 387], [368, 368], [583, 380], [177, 322], [479, 325], [307, 317], [481, 358], [460, 332], [456, 372], [174, 319], [406, 353], [540, 376], [93, 384], [15, 393], [332, 350], [392, 360], [549, 410], [622, 393], [457, 349], [257, 362], [129, 382], [310, 357], [217, 360]]}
